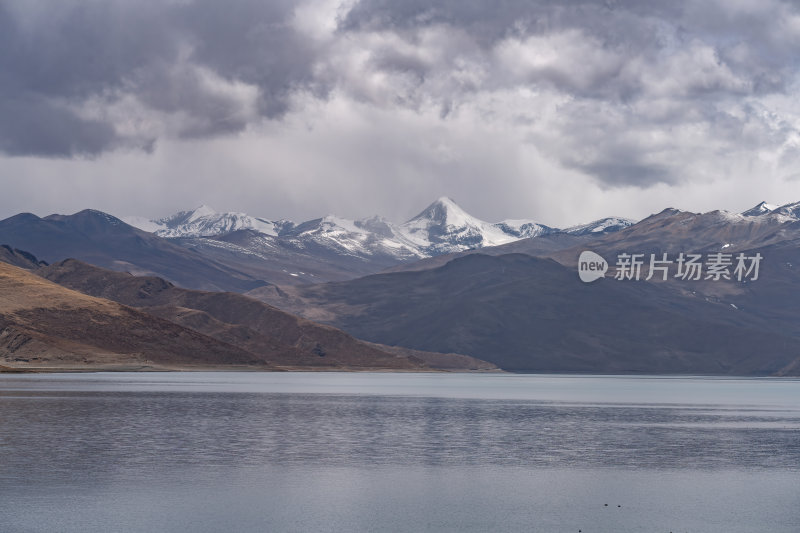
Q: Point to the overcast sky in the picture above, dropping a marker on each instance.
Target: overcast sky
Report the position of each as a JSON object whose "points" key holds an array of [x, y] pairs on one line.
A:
{"points": [[562, 112]]}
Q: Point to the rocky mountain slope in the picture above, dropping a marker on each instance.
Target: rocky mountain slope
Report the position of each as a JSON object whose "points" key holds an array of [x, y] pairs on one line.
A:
{"points": [[19, 258], [106, 241], [44, 325], [534, 315], [282, 339]]}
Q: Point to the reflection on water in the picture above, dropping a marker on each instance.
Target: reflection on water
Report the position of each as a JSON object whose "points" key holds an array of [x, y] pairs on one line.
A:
{"points": [[400, 452], [122, 431]]}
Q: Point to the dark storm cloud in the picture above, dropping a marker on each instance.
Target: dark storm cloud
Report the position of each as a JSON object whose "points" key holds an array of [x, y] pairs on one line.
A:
{"points": [[35, 126], [252, 41], [67, 64], [53, 63]]}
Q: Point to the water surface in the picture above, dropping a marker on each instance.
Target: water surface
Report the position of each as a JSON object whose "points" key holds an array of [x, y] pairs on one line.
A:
{"points": [[397, 452]]}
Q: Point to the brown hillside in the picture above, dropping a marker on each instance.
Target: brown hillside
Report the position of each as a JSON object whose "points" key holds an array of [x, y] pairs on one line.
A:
{"points": [[45, 325], [247, 323]]}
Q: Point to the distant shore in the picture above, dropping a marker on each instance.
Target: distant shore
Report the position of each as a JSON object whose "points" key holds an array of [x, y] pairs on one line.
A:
{"points": [[218, 368]]}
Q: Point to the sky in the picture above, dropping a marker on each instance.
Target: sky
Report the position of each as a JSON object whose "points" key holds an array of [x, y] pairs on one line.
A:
{"points": [[561, 112]]}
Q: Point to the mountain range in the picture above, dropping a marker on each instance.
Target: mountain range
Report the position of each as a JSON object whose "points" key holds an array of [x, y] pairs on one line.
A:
{"points": [[333, 248], [671, 230], [205, 250], [522, 306], [442, 227], [442, 283]]}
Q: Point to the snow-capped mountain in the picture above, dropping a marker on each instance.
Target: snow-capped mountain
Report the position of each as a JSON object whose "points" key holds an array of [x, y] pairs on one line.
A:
{"points": [[205, 222], [240, 250], [784, 213], [442, 227], [523, 229], [373, 236], [330, 247], [713, 231], [788, 212], [601, 227], [760, 209]]}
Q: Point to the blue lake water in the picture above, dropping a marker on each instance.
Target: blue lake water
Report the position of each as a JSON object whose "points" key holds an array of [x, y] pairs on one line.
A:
{"points": [[224, 451]]}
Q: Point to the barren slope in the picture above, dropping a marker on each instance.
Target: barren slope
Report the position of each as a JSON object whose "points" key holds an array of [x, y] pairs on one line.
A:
{"points": [[248, 323], [45, 325]]}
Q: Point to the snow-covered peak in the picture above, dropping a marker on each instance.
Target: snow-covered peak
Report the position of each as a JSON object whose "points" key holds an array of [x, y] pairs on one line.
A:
{"points": [[203, 221], [760, 209], [523, 228], [339, 224], [201, 212], [377, 225], [368, 237], [443, 212], [455, 214], [186, 217], [444, 227], [788, 212], [720, 215], [598, 227]]}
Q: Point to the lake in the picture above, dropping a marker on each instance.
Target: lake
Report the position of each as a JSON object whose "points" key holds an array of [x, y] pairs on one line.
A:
{"points": [[351, 452]]}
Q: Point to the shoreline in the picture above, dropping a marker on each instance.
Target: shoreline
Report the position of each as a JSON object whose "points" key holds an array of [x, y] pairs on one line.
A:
{"points": [[229, 368]]}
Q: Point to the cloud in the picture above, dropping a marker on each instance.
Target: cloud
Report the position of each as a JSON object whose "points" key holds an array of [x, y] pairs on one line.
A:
{"points": [[38, 126], [622, 95], [646, 87], [194, 69]]}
